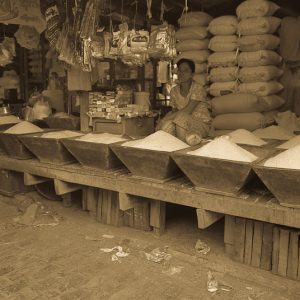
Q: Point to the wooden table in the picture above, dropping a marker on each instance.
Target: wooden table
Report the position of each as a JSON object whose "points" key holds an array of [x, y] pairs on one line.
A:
{"points": [[179, 191]]}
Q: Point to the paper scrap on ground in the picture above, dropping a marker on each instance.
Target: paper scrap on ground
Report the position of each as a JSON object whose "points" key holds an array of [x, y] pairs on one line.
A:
{"points": [[201, 247], [60, 134], [118, 254], [288, 159], [273, 132], [295, 141], [23, 127], [160, 141], [212, 284], [223, 148], [157, 255], [102, 138], [245, 137], [172, 270]]}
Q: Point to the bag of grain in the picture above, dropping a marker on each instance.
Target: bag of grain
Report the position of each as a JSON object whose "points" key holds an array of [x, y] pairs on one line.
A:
{"points": [[224, 25], [256, 8], [200, 68], [200, 79], [223, 59], [194, 18], [259, 58], [249, 121], [269, 103], [189, 45], [263, 88], [256, 74], [259, 25], [196, 56], [223, 43], [223, 88], [223, 74], [191, 33], [234, 103], [258, 42]]}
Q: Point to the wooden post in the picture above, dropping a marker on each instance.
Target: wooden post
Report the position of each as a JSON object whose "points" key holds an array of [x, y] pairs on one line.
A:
{"points": [[207, 218], [239, 239], [92, 201], [275, 252], [229, 235], [248, 242], [293, 258], [257, 243], [158, 216], [267, 245], [64, 187], [284, 236], [67, 200], [142, 214], [84, 106], [125, 201], [84, 199]]}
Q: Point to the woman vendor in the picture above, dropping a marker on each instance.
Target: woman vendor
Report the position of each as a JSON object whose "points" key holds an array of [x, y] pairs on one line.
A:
{"points": [[190, 118]]}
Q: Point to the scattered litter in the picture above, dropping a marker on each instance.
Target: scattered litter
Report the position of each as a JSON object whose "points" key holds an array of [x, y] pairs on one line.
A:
{"points": [[108, 236], [201, 247], [156, 255], [119, 252], [225, 288], [223, 148], [160, 141], [212, 284], [172, 270], [249, 288]]}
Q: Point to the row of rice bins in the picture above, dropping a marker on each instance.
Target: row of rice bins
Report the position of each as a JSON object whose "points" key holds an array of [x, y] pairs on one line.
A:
{"points": [[248, 86], [243, 65]]}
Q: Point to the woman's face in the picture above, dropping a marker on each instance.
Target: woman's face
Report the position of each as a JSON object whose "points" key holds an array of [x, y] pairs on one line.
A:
{"points": [[184, 72]]}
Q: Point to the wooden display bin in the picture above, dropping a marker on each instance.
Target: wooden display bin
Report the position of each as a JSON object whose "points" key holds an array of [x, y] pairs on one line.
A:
{"points": [[134, 127]]}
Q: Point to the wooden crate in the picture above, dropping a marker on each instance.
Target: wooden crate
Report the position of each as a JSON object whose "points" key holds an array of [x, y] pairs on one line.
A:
{"points": [[263, 245]]}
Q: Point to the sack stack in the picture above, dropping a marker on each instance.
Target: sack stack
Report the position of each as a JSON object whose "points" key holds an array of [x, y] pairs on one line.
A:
{"points": [[256, 98], [192, 42], [223, 62]]}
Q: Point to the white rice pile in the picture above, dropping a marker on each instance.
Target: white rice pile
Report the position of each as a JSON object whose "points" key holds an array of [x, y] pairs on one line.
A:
{"points": [[103, 138], [243, 136], [9, 120], [273, 132], [60, 134], [160, 141], [289, 159], [23, 127], [295, 141], [223, 148]]}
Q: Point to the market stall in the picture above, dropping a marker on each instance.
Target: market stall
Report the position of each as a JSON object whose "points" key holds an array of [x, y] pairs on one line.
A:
{"points": [[96, 123]]}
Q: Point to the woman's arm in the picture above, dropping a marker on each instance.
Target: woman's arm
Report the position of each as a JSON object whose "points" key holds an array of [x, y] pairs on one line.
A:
{"points": [[190, 107]]}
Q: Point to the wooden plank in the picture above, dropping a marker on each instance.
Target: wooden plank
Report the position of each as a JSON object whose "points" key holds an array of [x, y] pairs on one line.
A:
{"points": [[84, 107], [239, 239], [298, 277], [229, 227], [99, 206], [158, 216], [141, 214], [109, 208], [267, 245], [207, 218], [30, 179], [125, 201], [129, 218], [246, 207], [293, 255], [92, 199], [284, 236], [257, 244], [275, 252], [248, 242], [64, 187]]}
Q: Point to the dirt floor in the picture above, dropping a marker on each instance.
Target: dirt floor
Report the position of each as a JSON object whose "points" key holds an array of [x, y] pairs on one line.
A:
{"points": [[63, 253]]}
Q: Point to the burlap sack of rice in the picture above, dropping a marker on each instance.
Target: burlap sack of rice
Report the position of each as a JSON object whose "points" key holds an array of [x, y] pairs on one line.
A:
{"points": [[223, 59], [259, 58], [223, 88], [261, 73], [223, 43], [258, 42], [191, 33], [263, 88], [191, 45], [194, 18], [223, 74], [224, 25], [259, 25]]}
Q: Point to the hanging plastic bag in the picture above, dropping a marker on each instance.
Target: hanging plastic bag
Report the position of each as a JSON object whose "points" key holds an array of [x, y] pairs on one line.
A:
{"points": [[27, 37], [7, 51]]}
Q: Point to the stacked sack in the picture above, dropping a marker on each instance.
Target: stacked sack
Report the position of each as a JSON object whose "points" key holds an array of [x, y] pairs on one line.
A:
{"points": [[192, 42], [223, 62], [256, 99]]}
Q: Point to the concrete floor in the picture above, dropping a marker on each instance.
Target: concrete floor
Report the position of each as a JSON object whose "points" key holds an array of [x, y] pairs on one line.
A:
{"points": [[60, 257]]}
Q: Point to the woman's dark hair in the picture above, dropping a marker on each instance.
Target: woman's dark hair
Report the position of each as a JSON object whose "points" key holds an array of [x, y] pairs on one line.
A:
{"points": [[187, 61]]}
